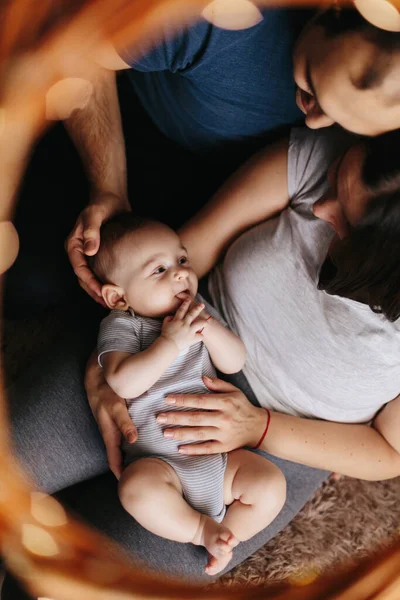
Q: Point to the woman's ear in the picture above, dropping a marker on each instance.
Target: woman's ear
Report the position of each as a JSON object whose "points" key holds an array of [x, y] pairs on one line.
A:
{"points": [[114, 297]]}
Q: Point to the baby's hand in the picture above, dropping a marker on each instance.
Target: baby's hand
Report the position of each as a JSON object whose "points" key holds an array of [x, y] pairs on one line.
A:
{"points": [[184, 328], [185, 296]]}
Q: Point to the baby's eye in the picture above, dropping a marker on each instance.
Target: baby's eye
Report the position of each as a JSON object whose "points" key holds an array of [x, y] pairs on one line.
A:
{"points": [[183, 260], [159, 270]]}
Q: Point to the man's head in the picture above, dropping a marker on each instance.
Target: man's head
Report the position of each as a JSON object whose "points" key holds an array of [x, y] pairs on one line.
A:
{"points": [[143, 266], [348, 72]]}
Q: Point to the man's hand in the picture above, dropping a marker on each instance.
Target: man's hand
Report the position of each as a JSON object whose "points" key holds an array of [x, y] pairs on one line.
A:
{"points": [[84, 239], [111, 414]]}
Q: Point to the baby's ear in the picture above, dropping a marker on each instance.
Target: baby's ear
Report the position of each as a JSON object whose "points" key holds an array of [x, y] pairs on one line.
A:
{"points": [[114, 297]]}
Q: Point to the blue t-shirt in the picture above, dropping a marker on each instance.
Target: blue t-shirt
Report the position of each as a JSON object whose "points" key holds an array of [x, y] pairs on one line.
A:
{"points": [[216, 91]]}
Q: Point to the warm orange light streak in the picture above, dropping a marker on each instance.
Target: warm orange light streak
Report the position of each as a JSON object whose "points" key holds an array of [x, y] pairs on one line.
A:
{"points": [[45, 45]]}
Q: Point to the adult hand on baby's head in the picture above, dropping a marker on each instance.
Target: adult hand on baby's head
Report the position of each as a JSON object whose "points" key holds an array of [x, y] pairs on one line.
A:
{"points": [[84, 239]]}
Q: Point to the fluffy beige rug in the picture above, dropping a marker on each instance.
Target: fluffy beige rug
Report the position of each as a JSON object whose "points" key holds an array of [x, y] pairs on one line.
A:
{"points": [[347, 519]]}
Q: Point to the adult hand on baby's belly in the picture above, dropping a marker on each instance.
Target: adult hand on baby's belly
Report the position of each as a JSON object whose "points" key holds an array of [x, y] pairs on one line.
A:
{"points": [[225, 420]]}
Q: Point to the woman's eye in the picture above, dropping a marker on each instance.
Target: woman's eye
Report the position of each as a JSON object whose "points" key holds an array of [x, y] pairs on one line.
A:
{"points": [[159, 270], [183, 260]]}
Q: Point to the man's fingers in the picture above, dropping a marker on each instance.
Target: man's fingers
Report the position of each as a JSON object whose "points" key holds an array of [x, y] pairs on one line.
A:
{"points": [[87, 279], [74, 237], [74, 245], [91, 241], [92, 220], [114, 458], [90, 284], [125, 423], [92, 293], [76, 255], [112, 441]]}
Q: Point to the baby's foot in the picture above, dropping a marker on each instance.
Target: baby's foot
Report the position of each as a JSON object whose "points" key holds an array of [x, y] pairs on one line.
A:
{"points": [[218, 540]]}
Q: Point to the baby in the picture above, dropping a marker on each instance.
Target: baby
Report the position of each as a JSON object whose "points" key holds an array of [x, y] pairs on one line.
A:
{"points": [[159, 339]]}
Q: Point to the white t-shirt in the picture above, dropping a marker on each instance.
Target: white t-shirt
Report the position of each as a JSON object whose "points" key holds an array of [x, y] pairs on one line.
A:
{"points": [[308, 353]]}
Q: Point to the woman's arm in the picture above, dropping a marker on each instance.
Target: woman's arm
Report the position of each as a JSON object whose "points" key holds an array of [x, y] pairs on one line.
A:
{"points": [[371, 453], [360, 451], [253, 194]]}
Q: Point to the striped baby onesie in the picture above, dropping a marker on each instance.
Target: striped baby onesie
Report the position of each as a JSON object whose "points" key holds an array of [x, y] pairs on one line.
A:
{"points": [[201, 477]]}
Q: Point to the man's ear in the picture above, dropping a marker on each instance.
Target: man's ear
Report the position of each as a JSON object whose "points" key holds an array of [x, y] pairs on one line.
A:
{"points": [[114, 297]]}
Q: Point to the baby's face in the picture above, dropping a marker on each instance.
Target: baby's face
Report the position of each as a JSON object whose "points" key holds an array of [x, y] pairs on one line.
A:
{"points": [[155, 270]]}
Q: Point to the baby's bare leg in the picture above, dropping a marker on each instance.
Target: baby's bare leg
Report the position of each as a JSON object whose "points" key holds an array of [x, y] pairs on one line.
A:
{"points": [[255, 489], [150, 491]]}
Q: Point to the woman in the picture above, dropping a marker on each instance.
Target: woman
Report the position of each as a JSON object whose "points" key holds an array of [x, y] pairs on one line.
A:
{"points": [[314, 294]]}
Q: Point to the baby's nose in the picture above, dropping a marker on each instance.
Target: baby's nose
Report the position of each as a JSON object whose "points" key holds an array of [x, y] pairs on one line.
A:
{"points": [[181, 273]]}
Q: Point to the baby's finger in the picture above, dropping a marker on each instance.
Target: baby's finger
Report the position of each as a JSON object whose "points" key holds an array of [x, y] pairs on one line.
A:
{"points": [[182, 310], [194, 313]]}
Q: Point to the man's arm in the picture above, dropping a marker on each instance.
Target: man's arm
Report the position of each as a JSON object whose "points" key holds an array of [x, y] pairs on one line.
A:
{"points": [[96, 131]]}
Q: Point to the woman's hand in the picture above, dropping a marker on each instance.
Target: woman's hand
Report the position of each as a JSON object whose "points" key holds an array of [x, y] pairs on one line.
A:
{"points": [[111, 414], [225, 419]]}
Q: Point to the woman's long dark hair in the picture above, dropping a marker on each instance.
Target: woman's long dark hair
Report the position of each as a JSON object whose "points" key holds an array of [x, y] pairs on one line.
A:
{"points": [[366, 264]]}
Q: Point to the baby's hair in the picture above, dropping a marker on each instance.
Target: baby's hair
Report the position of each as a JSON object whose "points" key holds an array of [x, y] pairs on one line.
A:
{"points": [[113, 231]]}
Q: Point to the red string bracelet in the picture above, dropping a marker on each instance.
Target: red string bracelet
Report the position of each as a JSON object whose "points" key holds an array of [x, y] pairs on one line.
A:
{"points": [[202, 329], [265, 430]]}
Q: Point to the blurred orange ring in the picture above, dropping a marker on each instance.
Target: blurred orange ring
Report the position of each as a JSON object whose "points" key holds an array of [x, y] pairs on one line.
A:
{"points": [[9, 245]]}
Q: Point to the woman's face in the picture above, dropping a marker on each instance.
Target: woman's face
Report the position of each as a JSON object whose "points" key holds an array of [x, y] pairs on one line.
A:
{"points": [[339, 80], [346, 200]]}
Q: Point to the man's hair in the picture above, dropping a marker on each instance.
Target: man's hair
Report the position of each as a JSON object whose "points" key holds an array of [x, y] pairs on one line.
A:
{"points": [[112, 232], [366, 264], [336, 22]]}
